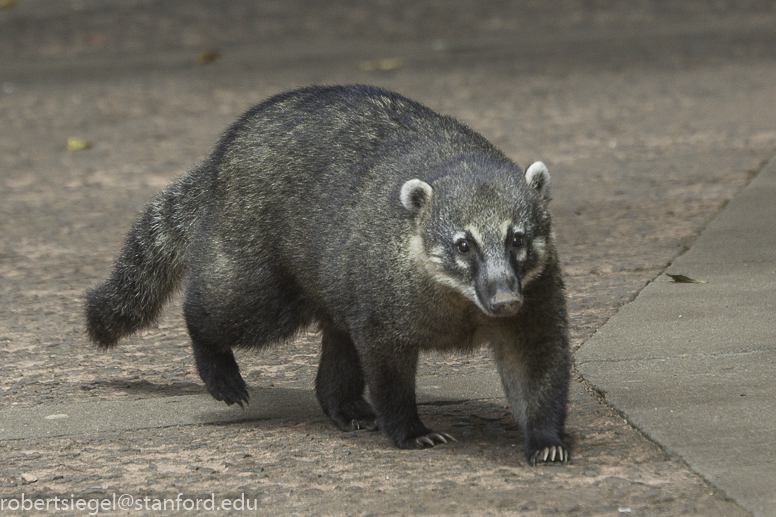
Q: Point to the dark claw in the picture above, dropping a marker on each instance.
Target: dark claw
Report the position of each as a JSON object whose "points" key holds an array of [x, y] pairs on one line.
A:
{"points": [[230, 391], [240, 398], [242, 402]]}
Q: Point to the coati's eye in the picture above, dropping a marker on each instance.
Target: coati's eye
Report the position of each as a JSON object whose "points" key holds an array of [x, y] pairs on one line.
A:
{"points": [[463, 246], [517, 239]]}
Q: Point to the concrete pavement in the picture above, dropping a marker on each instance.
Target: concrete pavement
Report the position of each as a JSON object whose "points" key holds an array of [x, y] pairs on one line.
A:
{"points": [[692, 365], [65, 419]]}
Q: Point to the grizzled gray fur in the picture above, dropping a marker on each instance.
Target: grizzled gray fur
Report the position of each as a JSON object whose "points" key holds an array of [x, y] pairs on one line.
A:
{"points": [[392, 228]]}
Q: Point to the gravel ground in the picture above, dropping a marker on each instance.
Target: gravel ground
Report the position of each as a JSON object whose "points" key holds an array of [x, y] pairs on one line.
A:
{"points": [[649, 116]]}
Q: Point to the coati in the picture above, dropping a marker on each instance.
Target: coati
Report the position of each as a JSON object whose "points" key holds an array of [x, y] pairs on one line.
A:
{"points": [[393, 228]]}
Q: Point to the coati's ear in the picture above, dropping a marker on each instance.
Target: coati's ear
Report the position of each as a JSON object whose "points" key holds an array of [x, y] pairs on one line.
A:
{"points": [[537, 176], [415, 194]]}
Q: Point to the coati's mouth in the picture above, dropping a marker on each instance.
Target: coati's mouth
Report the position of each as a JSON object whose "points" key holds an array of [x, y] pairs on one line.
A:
{"points": [[502, 304]]}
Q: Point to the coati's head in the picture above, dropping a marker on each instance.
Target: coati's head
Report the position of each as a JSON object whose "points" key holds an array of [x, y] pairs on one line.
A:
{"points": [[482, 229]]}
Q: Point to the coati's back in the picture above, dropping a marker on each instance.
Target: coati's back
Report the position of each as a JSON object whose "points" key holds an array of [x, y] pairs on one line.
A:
{"points": [[331, 142]]}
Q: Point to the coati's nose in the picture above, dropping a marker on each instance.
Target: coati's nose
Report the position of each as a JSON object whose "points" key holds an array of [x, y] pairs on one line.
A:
{"points": [[505, 302]]}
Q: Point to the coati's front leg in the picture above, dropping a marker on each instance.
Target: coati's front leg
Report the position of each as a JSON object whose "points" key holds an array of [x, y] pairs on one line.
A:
{"points": [[340, 384], [390, 373], [535, 377]]}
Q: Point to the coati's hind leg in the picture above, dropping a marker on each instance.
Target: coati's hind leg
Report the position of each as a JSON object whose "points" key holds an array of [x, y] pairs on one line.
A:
{"points": [[238, 309], [340, 384], [220, 372], [214, 358]]}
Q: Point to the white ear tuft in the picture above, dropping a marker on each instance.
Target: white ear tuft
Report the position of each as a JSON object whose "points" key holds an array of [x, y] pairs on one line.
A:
{"points": [[415, 194], [538, 177]]}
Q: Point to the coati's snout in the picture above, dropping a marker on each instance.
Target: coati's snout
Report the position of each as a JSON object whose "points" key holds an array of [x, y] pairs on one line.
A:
{"points": [[501, 298], [493, 271]]}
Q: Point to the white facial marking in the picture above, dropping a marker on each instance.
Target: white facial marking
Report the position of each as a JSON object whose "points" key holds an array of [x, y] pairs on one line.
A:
{"points": [[504, 228], [540, 245], [465, 289], [433, 265], [416, 249], [475, 233], [437, 254]]}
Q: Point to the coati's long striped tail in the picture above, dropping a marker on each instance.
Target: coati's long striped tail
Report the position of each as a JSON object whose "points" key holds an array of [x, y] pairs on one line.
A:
{"points": [[149, 269]]}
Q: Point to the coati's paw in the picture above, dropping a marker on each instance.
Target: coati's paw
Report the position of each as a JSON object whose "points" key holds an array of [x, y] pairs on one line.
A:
{"points": [[222, 376], [357, 425], [555, 453], [229, 388], [232, 394], [431, 439], [354, 416]]}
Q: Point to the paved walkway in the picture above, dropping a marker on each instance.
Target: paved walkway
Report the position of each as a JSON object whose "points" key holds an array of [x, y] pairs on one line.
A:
{"points": [[65, 419], [691, 365]]}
